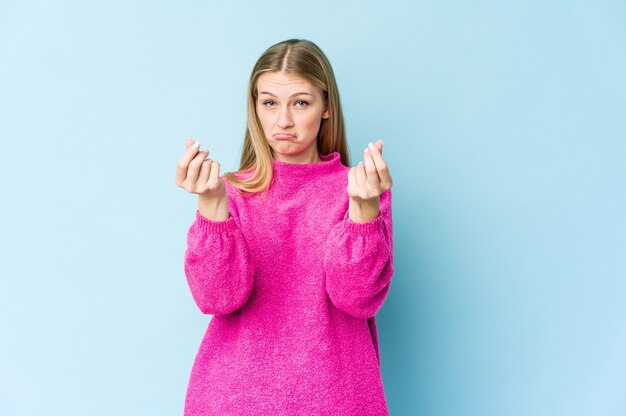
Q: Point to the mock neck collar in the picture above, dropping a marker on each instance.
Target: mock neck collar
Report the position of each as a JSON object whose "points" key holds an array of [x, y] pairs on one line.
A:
{"points": [[330, 163]]}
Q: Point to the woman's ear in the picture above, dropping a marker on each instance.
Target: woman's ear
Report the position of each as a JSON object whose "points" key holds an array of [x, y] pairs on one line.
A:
{"points": [[325, 114]]}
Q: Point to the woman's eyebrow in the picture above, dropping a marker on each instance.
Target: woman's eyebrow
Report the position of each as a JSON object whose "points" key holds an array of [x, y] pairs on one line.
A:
{"points": [[292, 95]]}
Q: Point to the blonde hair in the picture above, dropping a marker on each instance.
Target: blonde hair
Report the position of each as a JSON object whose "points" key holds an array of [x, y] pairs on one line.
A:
{"points": [[302, 58]]}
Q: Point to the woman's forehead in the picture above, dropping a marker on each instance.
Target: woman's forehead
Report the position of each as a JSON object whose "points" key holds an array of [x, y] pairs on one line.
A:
{"points": [[281, 82]]}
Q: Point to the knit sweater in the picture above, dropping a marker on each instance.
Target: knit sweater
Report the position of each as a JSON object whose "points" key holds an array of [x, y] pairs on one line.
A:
{"points": [[292, 284]]}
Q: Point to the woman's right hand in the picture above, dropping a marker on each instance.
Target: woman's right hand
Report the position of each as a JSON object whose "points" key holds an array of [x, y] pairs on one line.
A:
{"points": [[199, 176], [202, 177]]}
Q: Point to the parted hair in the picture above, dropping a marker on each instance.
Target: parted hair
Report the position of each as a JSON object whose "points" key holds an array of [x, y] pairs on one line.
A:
{"points": [[305, 59]]}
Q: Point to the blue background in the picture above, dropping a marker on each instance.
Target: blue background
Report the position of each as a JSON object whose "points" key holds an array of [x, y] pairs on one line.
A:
{"points": [[504, 129]]}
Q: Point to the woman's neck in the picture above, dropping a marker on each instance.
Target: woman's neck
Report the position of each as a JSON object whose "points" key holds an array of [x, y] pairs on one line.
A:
{"points": [[298, 159]]}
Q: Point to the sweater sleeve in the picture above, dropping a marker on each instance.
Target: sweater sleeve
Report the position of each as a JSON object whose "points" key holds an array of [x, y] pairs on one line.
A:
{"points": [[219, 270], [358, 262]]}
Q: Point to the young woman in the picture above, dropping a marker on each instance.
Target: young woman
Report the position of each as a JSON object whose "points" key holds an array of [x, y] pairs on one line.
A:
{"points": [[292, 254]]}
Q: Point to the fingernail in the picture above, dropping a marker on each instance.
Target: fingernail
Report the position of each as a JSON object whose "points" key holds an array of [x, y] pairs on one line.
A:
{"points": [[196, 145], [370, 145]]}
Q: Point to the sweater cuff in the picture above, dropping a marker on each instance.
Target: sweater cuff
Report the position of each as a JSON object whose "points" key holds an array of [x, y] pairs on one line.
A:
{"points": [[211, 226], [362, 228]]}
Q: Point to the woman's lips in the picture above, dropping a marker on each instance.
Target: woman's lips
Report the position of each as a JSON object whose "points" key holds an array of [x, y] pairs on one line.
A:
{"points": [[283, 136]]}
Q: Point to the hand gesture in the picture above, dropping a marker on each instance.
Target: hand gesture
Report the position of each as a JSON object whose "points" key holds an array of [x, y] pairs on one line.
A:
{"points": [[368, 180], [199, 175]]}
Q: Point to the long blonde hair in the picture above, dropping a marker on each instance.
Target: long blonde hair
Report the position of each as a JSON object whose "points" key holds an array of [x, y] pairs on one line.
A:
{"points": [[302, 58]]}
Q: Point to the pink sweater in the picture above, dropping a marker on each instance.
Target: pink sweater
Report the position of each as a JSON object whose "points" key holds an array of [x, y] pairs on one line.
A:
{"points": [[293, 286]]}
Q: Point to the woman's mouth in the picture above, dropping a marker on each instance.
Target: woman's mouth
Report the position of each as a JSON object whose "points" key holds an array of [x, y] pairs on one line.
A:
{"points": [[284, 136]]}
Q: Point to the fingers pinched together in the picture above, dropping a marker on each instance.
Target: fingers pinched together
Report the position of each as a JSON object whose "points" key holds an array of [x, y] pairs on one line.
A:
{"points": [[371, 178]]}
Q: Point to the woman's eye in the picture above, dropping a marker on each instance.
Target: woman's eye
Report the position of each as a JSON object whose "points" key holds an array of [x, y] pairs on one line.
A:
{"points": [[299, 103]]}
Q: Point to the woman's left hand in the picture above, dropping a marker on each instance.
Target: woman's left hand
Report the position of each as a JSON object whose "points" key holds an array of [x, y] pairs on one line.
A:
{"points": [[366, 182]]}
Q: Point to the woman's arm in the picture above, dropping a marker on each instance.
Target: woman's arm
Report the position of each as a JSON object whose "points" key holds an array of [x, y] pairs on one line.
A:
{"points": [[218, 267], [358, 262]]}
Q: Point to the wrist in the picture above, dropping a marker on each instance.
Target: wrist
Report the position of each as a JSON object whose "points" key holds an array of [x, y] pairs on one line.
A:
{"points": [[361, 211], [215, 209]]}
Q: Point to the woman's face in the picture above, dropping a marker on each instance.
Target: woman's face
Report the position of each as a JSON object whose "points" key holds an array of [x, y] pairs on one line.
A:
{"points": [[290, 109]]}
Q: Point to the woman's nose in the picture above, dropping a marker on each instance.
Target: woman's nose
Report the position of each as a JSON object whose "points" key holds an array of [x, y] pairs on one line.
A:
{"points": [[285, 120]]}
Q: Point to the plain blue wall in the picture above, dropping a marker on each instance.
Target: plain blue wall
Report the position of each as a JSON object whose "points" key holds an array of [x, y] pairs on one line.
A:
{"points": [[504, 129]]}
